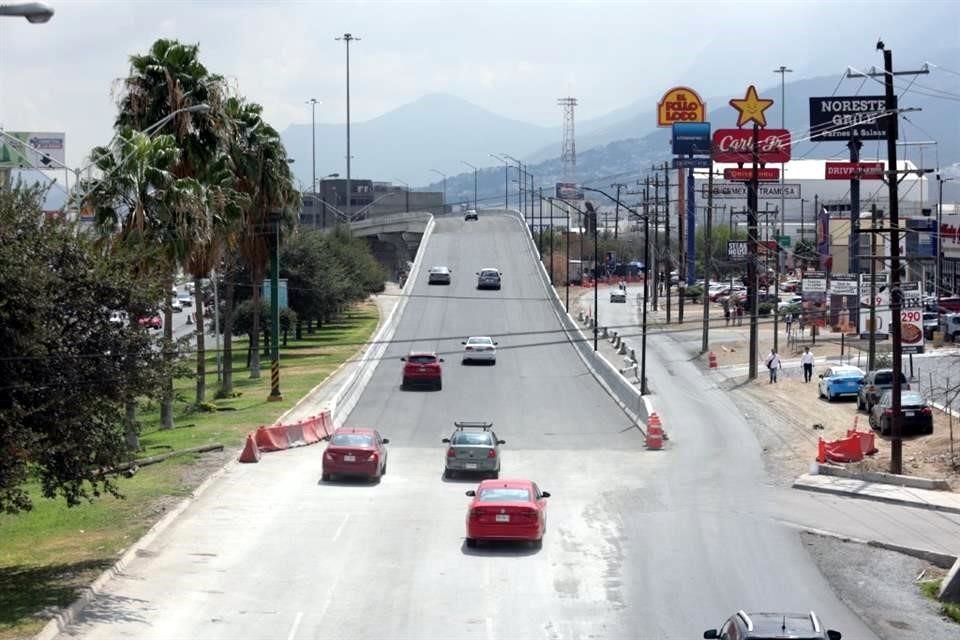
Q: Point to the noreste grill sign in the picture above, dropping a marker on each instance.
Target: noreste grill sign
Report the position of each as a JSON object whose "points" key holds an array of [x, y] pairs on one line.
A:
{"points": [[736, 145], [845, 117]]}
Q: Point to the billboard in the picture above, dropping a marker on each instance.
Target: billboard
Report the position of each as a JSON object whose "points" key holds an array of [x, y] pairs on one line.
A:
{"points": [[569, 191], [921, 237], [881, 301], [28, 149], [691, 138], [845, 117], [737, 249], [911, 317], [844, 303], [739, 190], [680, 104], [813, 294], [950, 235], [853, 171], [736, 145]]}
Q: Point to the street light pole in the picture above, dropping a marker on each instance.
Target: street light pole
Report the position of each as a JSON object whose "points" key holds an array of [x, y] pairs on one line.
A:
{"points": [[938, 286], [347, 39], [783, 71], [444, 188], [506, 180], [474, 183], [313, 102]]}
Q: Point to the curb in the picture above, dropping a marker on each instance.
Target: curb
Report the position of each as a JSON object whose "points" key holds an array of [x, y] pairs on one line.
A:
{"points": [[861, 496], [914, 482], [942, 560], [65, 617]]}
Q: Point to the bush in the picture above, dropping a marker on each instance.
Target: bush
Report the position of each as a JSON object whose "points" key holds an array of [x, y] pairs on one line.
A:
{"points": [[693, 292]]}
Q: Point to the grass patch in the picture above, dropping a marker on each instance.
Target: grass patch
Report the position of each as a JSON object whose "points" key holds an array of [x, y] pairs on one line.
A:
{"points": [[950, 610], [50, 553]]}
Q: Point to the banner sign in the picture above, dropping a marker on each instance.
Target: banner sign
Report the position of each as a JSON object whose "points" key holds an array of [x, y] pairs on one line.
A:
{"points": [[569, 191], [691, 138], [854, 170], [911, 317], [845, 117], [921, 237], [882, 304], [680, 104], [737, 249], [695, 163], [745, 174], [950, 235], [813, 294], [736, 145], [844, 303], [20, 155], [739, 190]]}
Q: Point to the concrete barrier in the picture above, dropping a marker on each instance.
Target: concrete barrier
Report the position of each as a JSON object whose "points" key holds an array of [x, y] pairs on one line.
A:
{"points": [[885, 478]]}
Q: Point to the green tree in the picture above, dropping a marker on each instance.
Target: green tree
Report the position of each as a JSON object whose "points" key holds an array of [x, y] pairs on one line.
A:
{"points": [[67, 369]]}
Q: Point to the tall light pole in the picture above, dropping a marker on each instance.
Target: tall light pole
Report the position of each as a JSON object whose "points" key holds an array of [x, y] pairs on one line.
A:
{"points": [[506, 180], [519, 184], [407, 191], [35, 12], [474, 183], [313, 102], [347, 39], [783, 71], [444, 188], [938, 287]]}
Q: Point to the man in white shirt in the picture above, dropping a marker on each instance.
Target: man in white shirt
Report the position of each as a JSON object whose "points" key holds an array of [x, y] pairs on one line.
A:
{"points": [[774, 365], [807, 361]]}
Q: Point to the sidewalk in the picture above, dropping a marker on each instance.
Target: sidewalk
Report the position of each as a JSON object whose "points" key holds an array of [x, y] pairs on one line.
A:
{"points": [[920, 498]]}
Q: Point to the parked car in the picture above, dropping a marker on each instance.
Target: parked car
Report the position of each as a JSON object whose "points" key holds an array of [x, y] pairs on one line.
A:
{"points": [[507, 510], [355, 451], [873, 386], [931, 323], [950, 325], [439, 275], [479, 348], [471, 214], [176, 305], [840, 380], [772, 626], [422, 368], [185, 299], [951, 303], [916, 417], [151, 322], [618, 295], [473, 447], [489, 278]]}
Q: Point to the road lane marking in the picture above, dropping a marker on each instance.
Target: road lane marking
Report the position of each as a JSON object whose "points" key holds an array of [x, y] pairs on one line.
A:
{"points": [[340, 528], [296, 625], [489, 624]]}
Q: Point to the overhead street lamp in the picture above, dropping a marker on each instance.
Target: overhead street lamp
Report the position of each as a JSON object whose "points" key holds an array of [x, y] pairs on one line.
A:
{"points": [[520, 186], [347, 38], [313, 102], [406, 191], [444, 187], [506, 180], [34, 12], [474, 183]]}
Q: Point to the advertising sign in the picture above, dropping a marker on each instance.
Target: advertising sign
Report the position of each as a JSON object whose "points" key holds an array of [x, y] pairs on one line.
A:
{"points": [[813, 294], [950, 235], [695, 163], [736, 145], [921, 237], [19, 155], [764, 192], [569, 191], [911, 317], [737, 249], [281, 291], [745, 174], [691, 138], [882, 304], [845, 117], [680, 104], [853, 170], [844, 303]]}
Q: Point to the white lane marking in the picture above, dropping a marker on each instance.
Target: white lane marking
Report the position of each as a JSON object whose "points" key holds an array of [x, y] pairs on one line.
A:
{"points": [[296, 625], [340, 528], [489, 624]]}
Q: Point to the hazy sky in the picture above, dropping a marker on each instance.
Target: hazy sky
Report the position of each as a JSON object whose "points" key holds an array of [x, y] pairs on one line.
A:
{"points": [[514, 58]]}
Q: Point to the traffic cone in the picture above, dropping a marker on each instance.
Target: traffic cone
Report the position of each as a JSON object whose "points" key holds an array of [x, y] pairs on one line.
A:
{"points": [[251, 452], [189, 318], [654, 435]]}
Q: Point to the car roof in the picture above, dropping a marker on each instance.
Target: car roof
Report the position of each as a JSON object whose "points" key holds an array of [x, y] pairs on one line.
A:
{"points": [[479, 338], [782, 625], [846, 368], [482, 269], [440, 268]]}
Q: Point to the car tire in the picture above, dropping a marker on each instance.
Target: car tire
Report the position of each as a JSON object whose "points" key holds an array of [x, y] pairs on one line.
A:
{"points": [[493, 362], [439, 385], [383, 471], [325, 477], [405, 384], [494, 474], [447, 474], [471, 542], [465, 361], [859, 403]]}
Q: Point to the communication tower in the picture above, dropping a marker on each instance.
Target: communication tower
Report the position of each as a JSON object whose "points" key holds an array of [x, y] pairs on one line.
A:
{"points": [[568, 144]]}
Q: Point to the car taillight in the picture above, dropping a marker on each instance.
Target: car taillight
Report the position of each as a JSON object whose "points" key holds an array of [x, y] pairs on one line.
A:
{"points": [[474, 514], [451, 453], [926, 411], [492, 453], [372, 457], [530, 514]]}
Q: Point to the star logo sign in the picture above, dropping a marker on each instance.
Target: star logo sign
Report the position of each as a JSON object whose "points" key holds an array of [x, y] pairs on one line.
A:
{"points": [[751, 108]]}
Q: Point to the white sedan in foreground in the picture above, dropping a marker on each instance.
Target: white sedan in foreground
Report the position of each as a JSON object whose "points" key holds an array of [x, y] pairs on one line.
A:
{"points": [[479, 348]]}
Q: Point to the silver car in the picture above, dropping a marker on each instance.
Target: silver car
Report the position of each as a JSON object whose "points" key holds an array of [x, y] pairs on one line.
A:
{"points": [[479, 349], [489, 278], [472, 448], [618, 295], [439, 275]]}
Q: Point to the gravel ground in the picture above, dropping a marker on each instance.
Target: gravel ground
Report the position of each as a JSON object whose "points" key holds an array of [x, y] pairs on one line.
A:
{"points": [[881, 587]]}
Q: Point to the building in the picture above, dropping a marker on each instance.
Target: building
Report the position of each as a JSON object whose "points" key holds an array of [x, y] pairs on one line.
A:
{"points": [[328, 206]]}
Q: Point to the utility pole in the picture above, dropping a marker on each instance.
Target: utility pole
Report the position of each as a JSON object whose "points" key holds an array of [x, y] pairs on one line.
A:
{"points": [[707, 262], [551, 239], [681, 249], [656, 230], [540, 225], [616, 215], [854, 254], [872, 348], [668, 267], [752, 187], [474, 182], [646, 288], [347, 39], [313, 102], [567, 308], [782, 70]]}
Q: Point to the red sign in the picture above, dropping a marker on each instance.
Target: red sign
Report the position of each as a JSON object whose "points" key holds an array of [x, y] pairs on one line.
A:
{"points": [[736, 145], [854, 170], [745, 174]]}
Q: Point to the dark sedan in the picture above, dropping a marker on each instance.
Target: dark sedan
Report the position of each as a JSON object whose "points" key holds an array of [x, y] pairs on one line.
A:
{"points": [[916, 417]]}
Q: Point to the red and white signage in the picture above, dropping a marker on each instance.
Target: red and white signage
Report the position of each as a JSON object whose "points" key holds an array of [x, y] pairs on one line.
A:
{"points": [[745, 174], [854, 170], [736, 145]]}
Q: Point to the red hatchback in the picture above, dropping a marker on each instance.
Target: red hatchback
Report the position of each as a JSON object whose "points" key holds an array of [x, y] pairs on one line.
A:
{"points": [[507, 510], [422, 368], [355, 452]]}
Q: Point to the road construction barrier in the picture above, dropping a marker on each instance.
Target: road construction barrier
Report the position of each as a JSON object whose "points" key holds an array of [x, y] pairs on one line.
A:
{"points": [[853, 448], [251, 452], [712, 360], [867, 440], [654, 432], [286, 436]]}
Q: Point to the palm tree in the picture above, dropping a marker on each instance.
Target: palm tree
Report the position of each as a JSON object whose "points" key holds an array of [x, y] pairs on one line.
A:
{"points": [[165, 81]]}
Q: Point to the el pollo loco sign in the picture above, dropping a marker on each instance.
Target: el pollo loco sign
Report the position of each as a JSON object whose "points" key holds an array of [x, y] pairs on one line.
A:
{"points": [[680, 104]]}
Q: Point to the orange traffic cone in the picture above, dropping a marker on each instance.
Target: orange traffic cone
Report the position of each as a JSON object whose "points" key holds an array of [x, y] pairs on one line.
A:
{"points": [[654, 432], [251, 452]]}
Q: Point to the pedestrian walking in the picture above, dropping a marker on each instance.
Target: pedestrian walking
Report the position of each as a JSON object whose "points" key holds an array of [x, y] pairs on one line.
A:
{"points": [[774, 365], [806, 359], [789, 322], [739, 315], [726, 312]]}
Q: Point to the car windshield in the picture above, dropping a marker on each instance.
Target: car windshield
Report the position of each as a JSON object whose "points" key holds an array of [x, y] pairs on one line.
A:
{"points": [[489, 272], [439, 269], [504, 494], [352, 440], [463, 437], [422, 359], [886, 377]]}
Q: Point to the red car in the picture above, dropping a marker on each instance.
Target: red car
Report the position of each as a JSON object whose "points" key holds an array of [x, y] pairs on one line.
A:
{"points": [[422, 368], [355, 452], [151, 322], [507, 510]]}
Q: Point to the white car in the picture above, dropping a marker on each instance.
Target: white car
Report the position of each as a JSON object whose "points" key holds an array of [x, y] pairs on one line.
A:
{"points": [[618, 295], [185, 300], [176, 305], [479, 349], [439, 275]]}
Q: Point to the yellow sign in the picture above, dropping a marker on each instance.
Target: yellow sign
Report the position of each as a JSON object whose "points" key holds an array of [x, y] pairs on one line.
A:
{"points": [[751, 108], [680, 104]]}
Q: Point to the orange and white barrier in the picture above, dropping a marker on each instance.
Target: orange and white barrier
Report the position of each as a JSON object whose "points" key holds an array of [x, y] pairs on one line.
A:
{"points": [[654, 432], [286, 436]]}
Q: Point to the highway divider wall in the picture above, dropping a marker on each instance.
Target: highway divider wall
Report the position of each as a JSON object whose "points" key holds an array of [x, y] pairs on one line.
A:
{"points": [[637, 406]]}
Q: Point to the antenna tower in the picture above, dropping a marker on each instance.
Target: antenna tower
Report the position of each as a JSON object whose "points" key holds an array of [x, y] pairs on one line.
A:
{"points": [[568, 144]]}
